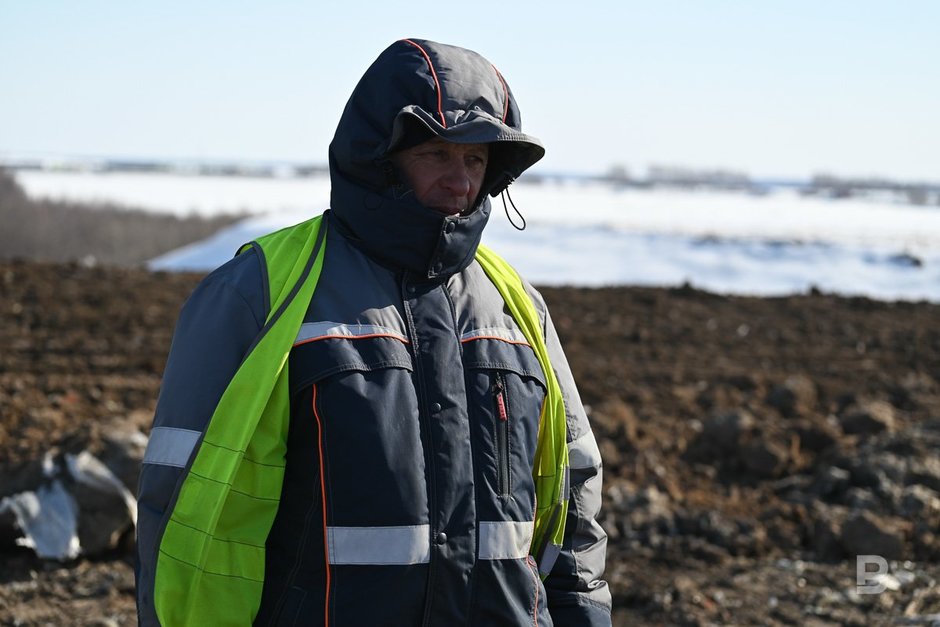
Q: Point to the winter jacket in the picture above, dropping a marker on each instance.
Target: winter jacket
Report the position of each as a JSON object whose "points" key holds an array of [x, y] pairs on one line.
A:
{"points": [[407, 494]]}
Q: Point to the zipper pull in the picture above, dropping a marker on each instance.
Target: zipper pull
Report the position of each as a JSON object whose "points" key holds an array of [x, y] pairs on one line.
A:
{"points": [[500, 399]]}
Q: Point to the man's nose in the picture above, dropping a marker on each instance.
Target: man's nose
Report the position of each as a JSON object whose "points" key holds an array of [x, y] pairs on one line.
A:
{"points": [[457, 178]]}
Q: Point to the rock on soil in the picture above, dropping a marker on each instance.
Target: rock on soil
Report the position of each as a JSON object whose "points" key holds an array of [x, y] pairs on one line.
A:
{"points": [[743, 471]]}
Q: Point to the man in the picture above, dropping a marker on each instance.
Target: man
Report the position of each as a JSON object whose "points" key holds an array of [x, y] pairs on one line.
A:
{"points": [[392, 470]]}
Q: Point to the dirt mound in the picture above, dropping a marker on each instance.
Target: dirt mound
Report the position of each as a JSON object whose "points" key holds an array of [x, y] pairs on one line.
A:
{"points": [[753, 447]]}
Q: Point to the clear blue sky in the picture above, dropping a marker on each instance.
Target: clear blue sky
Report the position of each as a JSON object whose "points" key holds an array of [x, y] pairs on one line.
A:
{"points": [[774, 88]]}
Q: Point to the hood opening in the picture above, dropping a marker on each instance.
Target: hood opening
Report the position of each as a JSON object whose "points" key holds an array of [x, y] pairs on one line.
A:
{"points": [[418, 89], [511, 152], [414, 91]]}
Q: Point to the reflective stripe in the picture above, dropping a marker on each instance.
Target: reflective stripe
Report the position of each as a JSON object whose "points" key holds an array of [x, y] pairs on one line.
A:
{"points": [[380, 545], [169, 446], [513, 336], [310, 331], [505, 540], [583, 452]]}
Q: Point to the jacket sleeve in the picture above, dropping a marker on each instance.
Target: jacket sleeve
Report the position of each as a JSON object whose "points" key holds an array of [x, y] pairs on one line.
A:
{"points": [[577, 594], [215, 329]]}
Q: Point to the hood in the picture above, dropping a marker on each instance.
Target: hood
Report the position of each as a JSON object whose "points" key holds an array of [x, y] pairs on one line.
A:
{"points": [[416, 90]]}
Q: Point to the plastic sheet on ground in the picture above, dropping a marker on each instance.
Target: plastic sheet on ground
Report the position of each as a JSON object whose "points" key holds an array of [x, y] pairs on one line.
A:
{"points": [[80, 508]]}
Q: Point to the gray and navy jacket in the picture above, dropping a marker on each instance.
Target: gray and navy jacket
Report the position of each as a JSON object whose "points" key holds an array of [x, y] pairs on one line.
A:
{"points": [[408, 495]]}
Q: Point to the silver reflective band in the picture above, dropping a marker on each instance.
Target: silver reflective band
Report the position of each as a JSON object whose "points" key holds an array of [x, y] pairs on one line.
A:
{"points": [[583, 452], [310, 331], [507, 335], [169, 446], [505, 540], [380, 545]]}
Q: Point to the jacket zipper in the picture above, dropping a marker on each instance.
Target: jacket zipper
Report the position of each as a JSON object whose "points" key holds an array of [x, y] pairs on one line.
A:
{"points": [[431, 481], [501, 427]]}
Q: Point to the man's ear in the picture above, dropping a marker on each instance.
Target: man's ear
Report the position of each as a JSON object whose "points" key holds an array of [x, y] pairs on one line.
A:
{"points": [[390, 172], [394, 181]]}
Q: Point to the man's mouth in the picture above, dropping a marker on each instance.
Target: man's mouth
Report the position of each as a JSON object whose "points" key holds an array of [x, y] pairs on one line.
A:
{"points": [[448, 211]]}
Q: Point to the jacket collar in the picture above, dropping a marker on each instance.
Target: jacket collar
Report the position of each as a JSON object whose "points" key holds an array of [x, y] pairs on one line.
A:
{"points": [[403, 234]]}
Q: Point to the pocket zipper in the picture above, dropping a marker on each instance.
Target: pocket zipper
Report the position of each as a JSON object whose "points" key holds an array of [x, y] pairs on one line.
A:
{"points": [[502, 435]]}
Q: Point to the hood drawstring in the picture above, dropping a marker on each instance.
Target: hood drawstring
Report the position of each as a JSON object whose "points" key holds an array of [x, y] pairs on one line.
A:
{"points": [[504, 195]]}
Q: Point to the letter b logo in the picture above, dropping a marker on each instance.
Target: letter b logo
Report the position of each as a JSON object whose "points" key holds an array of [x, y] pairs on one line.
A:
{"points": [[869, 580]]}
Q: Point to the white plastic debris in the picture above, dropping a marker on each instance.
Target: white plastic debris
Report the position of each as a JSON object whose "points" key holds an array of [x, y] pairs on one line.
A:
{"points": [[48, 518], [79, 508]]}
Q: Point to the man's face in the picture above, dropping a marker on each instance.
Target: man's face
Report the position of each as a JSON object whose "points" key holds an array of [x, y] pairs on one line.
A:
{"points": [[444, 176]]}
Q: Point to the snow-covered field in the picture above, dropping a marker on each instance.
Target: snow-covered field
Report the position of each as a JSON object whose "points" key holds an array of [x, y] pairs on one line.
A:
{"points": [[591, 234]]}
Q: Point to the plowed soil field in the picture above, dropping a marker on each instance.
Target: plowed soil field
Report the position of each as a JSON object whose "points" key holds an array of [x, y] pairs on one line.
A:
{"points": [[753, 447]]}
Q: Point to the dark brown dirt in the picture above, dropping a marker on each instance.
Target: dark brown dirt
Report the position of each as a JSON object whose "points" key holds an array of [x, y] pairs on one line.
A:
{"points": [[752, 446]]}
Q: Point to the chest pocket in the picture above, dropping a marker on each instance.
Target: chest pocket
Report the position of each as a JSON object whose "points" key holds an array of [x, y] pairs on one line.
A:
{"points": [[365, 415], [506, 389]]}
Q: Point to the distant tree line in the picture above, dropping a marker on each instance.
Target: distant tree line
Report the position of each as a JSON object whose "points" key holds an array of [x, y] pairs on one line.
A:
{"points": [[680, 177], [838, 187], [183, 168], [46, 230], [821, 185]]}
